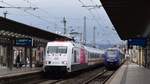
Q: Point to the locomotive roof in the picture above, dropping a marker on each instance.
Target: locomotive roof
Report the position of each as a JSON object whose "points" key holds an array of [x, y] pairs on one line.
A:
{"points": [[115, 49], [91, 49], [112, 49], [57, 43]]}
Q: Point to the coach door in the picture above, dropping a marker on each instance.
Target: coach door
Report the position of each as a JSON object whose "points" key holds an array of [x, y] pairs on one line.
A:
{"points": [[75, 57], [82, 56]]}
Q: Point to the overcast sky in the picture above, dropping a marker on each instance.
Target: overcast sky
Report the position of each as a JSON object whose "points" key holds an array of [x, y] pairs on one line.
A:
{"points": [[50, 13]]}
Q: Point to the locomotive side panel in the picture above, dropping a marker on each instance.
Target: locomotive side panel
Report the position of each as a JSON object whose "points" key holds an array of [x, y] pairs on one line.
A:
{"points": [[78, 58]]}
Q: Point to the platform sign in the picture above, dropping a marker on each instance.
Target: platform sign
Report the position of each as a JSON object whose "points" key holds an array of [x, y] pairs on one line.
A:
{"points": [[23, 42], [137, 41]]}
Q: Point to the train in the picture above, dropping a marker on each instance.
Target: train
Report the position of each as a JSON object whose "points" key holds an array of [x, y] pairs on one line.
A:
{"points": [[68, 56], [114, 57]]}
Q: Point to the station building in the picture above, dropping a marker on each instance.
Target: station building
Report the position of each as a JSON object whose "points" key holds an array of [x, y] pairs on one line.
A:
{"points": [[22, 45]]}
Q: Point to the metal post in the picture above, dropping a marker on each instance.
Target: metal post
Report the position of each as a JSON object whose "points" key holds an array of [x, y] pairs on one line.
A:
{"points": [[81, 40], [84, 31], [5, 14], [30, 57], [64, 21], [10, 54], [94, 44], [146, 56], [25, 52]]}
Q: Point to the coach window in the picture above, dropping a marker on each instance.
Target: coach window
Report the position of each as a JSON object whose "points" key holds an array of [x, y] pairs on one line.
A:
{"points": [[88, 55], [91, 55], [96, 55]]}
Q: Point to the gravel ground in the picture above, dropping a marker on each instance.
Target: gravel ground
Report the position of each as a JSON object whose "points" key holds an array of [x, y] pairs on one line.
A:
{"points": [[74, 78]]}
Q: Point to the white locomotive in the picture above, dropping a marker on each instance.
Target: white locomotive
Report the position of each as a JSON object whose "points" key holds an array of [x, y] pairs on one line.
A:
{"points": [[70, 56]]}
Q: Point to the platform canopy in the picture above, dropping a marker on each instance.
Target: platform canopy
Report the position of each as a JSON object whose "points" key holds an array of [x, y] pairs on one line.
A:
{"points": [[130, 17], [16, 29]]}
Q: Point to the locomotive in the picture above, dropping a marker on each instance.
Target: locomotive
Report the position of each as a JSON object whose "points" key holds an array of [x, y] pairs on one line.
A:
{"points": [[68, 56], [114, 57]]}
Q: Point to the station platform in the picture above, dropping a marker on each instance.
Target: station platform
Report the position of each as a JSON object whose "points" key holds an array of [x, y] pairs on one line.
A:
{"points": [[130, 73], [4, 73]]}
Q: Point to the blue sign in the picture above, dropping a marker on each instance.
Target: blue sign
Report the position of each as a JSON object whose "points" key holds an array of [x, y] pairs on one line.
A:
{"points": [[23, 42], [137, 41]]}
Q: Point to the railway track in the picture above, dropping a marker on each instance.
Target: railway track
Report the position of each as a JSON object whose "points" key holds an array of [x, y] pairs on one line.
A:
{"points": [[51, 82], [100, 78], [94, 76]]}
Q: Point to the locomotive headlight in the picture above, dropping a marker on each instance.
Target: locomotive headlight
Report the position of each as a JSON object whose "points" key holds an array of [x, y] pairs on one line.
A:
{"points": [[49, 54], [108, 59], [63, 55], [115, 59], [49, 62], [64, 62], [45, 62]]}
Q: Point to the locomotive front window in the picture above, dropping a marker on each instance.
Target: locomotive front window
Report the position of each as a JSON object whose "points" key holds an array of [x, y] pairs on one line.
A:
{"points": [[111, 52], [57, 49]]}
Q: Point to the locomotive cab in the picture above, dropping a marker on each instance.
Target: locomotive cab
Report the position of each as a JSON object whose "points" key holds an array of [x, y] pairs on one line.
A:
{"points": [[56, 58], [113, 58], [68, 56]]}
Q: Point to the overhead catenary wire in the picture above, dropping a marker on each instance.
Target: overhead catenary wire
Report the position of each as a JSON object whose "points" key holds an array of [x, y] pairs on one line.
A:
{"points": [[49, 13], [101, 17], [91, 14], [39, 17], [98, 13], [94, 17], [46, 12], [43, 10], [29, 13], [112, 28]]}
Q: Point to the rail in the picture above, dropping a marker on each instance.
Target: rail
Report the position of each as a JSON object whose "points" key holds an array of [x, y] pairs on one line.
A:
{"points": [[100, 78]]}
